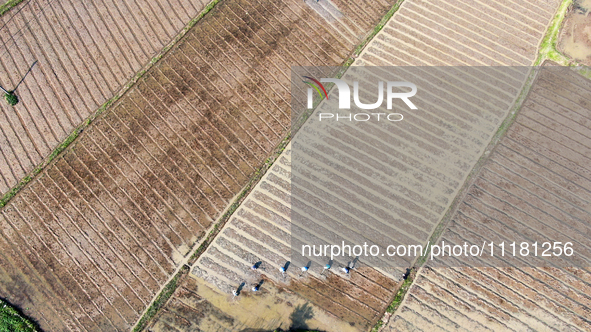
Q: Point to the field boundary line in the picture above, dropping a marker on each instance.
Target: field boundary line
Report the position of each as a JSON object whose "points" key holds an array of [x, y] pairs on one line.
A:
{"points": [[415, 269], [8, 5], [374, 32], [104, 107], [162, 297], [547, 51], [165, 293]]}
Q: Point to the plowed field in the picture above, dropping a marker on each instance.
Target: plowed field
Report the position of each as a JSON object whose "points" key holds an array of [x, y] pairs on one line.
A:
{"points": [[537, 183], [460, 33], [91, 240], [86, 51], [420, 33]]}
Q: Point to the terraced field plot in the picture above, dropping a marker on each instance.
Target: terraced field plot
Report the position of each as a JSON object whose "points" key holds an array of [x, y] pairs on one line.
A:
{"points": [[254, 233], [383, 182], [465, 32], [262, 229], [86, 51], [260, 232], [537, 184], [90, 241]]}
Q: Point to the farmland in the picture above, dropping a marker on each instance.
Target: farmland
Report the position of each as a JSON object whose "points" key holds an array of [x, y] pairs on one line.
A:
{"points": [[260, 232], [89, 243], [259, 229], [536, 183], [91, 240], [459, 33], [86, 52], [354, 301], [575, 35]]}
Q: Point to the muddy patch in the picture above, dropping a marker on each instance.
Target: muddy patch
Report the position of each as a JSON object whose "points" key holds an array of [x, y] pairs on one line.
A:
{"points": [[196, 305], [575, 38]]}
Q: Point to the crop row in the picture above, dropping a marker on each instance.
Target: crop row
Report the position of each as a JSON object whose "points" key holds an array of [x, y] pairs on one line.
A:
{"points": [[460, 33], [537, 187], [86, 52], [94, 237]]}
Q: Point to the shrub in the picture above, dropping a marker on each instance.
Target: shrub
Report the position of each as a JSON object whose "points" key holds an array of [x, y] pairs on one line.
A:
{"points": [[11, 98], [11, 320]]}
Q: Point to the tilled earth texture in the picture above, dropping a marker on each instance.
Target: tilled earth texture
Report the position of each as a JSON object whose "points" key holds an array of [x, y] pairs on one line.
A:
{"points": [[575, 37], [415, 174], [307, 303], [260, 232], [384, 182], [536, 183], [462, 32], [89, 243], [260, 228], [86, 51]]}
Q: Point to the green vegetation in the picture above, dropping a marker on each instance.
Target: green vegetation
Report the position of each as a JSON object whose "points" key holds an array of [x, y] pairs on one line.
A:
{"points": [[378, 326], [377, 29], [398, 297], [548, 46], [161, 299], [585, 71], [8, 5], [11, 98], [11, 320], [401, 292], [76, 132], [548, 49]]}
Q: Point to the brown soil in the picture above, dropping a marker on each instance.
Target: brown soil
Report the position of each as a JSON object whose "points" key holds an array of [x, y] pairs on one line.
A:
{"points": [[575, 38], [534, 187], [86, 52], [91, 240]]}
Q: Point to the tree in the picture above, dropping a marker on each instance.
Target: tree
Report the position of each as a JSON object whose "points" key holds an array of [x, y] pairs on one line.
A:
{"points": [[9, 95]]}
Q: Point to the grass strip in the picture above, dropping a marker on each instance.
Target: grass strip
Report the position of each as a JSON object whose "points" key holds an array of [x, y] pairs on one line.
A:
{"points": [[402, 291], [12, 320], [258, 175], [161, 299], [548, 48], [548, 51], [166, 293], [398, 297], [78, 130], [8, 5], [377, 28]]}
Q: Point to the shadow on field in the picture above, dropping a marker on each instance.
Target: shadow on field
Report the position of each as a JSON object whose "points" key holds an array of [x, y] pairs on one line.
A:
{"points": [[298, 317]]}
